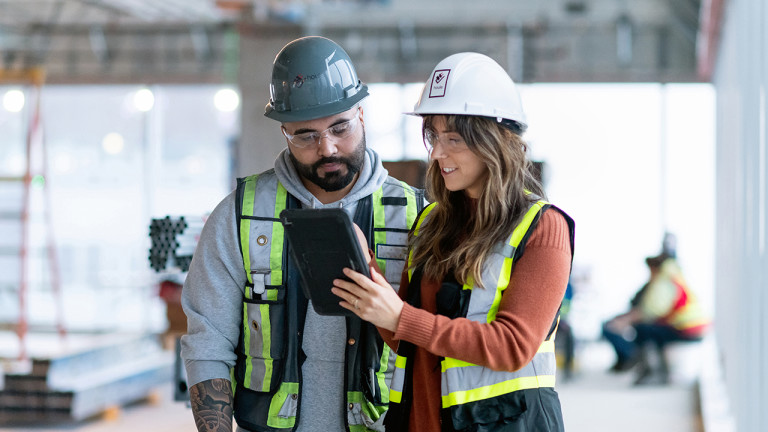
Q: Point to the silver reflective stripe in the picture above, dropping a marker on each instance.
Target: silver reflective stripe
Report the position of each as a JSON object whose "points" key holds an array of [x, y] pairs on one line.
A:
{"points": [[396, 216], [289, 408], [398, 377], [258, 367], [356, 416], [263, 206], [471, 377], [385, 251], [482, 298]]}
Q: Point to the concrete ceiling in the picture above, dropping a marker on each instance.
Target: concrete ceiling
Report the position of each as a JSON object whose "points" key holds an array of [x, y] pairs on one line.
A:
{"points": [[394, 40]]}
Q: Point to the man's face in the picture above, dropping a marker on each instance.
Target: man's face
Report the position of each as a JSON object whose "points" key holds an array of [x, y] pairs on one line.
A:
{"points": [[329, 151]]}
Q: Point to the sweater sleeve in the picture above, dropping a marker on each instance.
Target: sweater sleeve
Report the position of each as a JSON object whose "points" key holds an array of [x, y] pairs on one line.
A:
{"points": [[526, 312], [212, 298]]}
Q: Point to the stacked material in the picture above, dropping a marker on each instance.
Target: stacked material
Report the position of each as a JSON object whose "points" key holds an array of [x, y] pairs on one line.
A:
{"points": [[173, 242], [82, 378]]}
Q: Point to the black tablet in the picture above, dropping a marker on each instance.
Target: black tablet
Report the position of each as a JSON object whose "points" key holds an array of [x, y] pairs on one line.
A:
{"points": [[322, 243]]}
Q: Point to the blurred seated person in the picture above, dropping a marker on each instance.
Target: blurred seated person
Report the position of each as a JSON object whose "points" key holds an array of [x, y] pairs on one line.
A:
{"points": [[663, 311]]}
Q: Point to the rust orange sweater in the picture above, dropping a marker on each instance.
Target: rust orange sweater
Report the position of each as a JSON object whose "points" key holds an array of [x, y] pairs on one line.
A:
{"points": [[525, 316]]}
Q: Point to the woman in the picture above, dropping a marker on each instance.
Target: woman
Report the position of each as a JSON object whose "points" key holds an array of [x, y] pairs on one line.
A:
{"points": [[473, 323]]}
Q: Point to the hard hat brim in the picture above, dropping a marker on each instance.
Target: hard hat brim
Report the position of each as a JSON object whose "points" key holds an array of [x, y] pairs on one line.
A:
{"points": [[317, 112]]}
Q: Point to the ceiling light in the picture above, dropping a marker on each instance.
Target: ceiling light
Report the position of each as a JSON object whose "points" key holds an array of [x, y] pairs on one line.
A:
{"points": [[13, 100], [113, 143], [226, 100], [144, 100]]}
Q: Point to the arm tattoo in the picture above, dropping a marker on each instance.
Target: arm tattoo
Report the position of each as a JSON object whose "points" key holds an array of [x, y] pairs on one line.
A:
{"points": [[212, 405]]}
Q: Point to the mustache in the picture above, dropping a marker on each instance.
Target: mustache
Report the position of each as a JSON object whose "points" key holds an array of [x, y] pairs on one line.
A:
{"points": [[332, 159]]}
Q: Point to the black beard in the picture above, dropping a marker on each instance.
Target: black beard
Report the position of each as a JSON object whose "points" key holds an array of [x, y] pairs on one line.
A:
{"points": [[333, 181]]}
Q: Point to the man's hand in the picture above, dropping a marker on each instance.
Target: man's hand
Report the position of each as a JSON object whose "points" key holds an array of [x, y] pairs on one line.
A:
{"points": [[212, 405]]}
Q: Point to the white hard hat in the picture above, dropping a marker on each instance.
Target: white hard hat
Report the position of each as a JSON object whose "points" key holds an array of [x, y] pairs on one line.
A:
{"points": [[471, 84]]}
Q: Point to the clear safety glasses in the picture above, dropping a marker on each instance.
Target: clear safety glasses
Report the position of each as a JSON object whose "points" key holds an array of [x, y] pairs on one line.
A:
{"points": [[337, 132], [450, 142]]}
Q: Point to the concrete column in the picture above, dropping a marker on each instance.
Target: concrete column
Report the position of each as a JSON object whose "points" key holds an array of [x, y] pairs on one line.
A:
{"points": [[261, 139]]}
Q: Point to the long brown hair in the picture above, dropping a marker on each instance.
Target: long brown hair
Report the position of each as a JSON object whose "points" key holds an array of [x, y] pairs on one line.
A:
{"points": [[458, 237]]}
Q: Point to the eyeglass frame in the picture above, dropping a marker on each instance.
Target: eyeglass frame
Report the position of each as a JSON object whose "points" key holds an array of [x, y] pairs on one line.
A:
{"points": [[447, 147], [327, 133]]}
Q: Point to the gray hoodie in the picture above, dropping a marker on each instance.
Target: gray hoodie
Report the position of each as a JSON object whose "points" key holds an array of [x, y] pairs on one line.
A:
{"points": [[213, 293]]}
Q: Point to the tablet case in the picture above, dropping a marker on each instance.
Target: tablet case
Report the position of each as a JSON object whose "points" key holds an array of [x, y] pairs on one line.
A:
{"points": [[322, 243]]}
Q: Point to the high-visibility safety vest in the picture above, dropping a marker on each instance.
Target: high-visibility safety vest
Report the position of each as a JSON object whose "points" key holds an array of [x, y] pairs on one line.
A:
{"points": [[473, 394], [686, 313], [266, 376]]}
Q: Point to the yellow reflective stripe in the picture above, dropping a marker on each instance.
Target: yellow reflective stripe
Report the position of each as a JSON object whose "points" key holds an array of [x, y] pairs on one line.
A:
{"points": [[400, 362], [503, 283], [424, 214], [410, 261], [383, 364], [448, 363], [266, 332], [506, 268], [395, 396], [246, 344], [523, 383], [411, 205], [547, 346], [232, 380], [276, 250], [273, 419], [249, 193], [373, 411], [272, 294], [379, 221], [517, 235]]}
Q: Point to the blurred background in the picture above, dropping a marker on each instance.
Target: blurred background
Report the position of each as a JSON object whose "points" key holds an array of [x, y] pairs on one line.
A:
{"points": [[124, 122]]}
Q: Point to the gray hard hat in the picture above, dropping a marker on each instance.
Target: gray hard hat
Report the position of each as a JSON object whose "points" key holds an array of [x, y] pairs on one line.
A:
{"points": [[312, 77]]}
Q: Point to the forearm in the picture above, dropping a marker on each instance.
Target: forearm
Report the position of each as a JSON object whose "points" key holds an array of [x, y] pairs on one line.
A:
{"points": [[212, 405]]}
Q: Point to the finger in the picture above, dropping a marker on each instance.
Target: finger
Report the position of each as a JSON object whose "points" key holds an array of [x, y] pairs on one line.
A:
{"points": [[362, 281], [344, 295], [346, 285], [348, 306], [379, 279]]}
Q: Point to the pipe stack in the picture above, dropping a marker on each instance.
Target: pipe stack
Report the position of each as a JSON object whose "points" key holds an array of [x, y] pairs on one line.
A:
{"points": [[173, 242]]}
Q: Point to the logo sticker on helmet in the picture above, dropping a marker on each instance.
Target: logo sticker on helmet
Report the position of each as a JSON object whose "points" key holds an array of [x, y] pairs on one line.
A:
{"points": [[439, 81], [298, 81]]}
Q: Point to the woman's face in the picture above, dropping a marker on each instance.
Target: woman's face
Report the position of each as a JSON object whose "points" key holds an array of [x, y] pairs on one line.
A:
{"points": [[461, 168]]}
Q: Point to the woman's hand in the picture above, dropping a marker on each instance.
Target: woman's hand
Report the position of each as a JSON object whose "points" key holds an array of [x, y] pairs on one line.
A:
{"points": [[373, 300]]}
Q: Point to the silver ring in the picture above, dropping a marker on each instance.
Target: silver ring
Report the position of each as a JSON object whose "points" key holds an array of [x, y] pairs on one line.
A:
{"points": [[356, 300]]}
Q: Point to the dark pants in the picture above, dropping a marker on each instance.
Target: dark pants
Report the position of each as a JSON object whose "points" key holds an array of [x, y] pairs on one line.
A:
{"points": [[624, 347], [656, 334], [660, 335]]}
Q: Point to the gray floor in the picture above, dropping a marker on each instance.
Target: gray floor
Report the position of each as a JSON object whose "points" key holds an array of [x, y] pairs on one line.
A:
{"points": [[593, 401]]}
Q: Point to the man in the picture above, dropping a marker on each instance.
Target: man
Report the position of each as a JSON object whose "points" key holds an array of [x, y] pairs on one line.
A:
{"points": [[664, 311], [255, 347]]}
